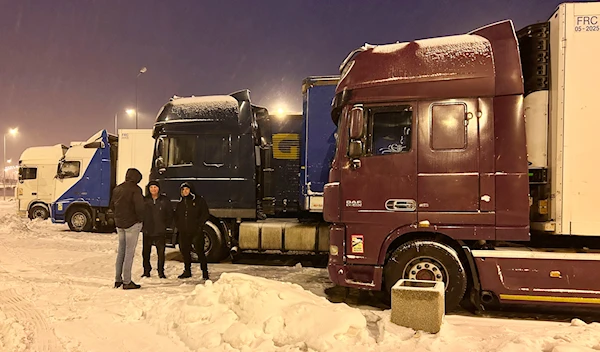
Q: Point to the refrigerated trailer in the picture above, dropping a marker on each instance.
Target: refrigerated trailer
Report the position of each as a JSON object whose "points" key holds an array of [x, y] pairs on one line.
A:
{"points": [[471, 159]]}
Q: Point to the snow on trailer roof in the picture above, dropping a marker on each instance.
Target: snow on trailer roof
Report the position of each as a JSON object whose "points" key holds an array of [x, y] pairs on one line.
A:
{"points": [[204, 107], [464, 64]]}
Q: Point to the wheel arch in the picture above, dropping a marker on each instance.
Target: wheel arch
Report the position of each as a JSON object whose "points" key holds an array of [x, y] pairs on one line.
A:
{"points": [[402, 236], [35, 202], [73, 206]]}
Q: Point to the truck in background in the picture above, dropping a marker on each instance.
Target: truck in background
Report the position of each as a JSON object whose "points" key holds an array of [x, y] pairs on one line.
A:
{"points": [[470, 160], [87, 175], [37, 171], [253, 169]]}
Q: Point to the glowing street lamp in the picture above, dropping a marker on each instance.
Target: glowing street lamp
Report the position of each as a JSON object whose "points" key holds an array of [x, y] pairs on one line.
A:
{"points": [[11, 132], [129, 112]]}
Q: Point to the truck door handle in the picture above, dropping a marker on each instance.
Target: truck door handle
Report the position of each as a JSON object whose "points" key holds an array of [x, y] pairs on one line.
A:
{"points": [[212, 165], [401, 205], [34, 193]]}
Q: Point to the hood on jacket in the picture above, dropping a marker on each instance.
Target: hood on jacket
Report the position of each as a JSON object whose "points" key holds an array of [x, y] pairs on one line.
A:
{"points": [[133, 175], [153, 183], [185, 184]]}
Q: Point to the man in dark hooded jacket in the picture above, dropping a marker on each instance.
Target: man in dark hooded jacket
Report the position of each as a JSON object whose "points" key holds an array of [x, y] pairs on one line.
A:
{"points": [[191, 214], [158, 216], [127, 203]]}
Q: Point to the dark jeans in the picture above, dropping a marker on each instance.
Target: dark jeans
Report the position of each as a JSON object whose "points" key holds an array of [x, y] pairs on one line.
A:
{"points": [[159, 242], [185, 246]]}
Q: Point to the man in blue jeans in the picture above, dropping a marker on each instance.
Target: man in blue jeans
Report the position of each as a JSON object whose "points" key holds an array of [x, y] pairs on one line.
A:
{"points": [[127, 203]]}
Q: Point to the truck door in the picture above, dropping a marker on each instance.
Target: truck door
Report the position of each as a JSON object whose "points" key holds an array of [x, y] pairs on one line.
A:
{"points": [[448, 164], [379, 182], [200, 160]]}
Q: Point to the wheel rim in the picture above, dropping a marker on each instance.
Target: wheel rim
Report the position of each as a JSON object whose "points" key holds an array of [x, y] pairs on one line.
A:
{"points": [[426, 269], [39, 213], [79, 220], [207, 243]]}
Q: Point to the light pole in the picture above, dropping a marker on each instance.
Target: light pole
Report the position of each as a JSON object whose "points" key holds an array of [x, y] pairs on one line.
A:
{"points": [[12, 132], [129, 112], [142, 71]]}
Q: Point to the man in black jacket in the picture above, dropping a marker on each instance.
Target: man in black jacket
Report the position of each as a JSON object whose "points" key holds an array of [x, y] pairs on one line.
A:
{"points": [[127, 203], [191, 214], [158, 216]]}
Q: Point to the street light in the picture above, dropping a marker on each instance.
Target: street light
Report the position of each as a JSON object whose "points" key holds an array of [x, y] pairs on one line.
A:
{"points": [[12, 132], [129, 112], [142, 71]]}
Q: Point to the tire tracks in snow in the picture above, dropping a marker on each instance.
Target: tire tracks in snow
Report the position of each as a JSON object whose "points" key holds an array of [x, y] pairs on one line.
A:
{"points": [[42, 337]]}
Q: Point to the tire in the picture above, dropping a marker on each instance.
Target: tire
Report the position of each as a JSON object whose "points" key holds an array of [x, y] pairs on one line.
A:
{"points": [[80, 220], [428, 260], [213, 244], [39, 211]]}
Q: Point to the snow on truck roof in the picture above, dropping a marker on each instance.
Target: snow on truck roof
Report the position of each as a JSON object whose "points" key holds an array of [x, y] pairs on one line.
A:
{"points": [[204, 107], [457, 64], [53, 153]]}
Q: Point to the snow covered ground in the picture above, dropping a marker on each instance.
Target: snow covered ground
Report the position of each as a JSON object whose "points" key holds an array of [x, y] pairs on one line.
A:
{"points": [[56, 295]]}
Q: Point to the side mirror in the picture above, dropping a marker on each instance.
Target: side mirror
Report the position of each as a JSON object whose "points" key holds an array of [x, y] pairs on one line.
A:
{"points": [[159, 163], [357, 123], [355, 149]]}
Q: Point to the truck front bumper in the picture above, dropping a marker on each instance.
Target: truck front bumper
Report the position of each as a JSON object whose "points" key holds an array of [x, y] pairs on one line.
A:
{"points": [[57, 216], [367, 277]]}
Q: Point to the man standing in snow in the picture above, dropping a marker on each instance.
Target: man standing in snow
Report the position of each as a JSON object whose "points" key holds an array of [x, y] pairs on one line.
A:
{"points": [[158, 215], [127, 203], [190, 216]]}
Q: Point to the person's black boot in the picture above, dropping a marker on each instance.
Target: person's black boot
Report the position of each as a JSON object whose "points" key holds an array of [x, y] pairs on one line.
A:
{"points": [[186, 274], [118, 284], [161, 274], [146, 274], [131, 286], [205, 275]]}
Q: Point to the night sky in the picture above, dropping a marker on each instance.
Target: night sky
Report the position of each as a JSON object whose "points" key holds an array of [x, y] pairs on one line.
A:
{"points": [[67, 66]]}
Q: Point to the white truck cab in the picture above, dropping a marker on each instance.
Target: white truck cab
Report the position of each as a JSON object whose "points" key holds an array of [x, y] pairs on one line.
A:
{"points": [[36, 188]]}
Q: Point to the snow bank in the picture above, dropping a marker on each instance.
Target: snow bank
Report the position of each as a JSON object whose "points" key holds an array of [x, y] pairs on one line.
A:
{"points": [[10, 222], [247, 313]]}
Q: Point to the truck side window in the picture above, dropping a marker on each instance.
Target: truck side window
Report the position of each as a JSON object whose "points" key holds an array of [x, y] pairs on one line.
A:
{"points": [[181, 150], [27, 173], [391, 132], [70, 169], [216, 149], [448, 128]]}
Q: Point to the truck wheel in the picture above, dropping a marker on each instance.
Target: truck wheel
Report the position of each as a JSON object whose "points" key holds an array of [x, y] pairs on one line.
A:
{"points": [[39, 211], [79, 220], [428, 260], [213, 244]]}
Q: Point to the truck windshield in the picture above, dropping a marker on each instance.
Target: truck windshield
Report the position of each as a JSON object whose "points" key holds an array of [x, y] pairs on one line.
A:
{"points": [[69, 169]]}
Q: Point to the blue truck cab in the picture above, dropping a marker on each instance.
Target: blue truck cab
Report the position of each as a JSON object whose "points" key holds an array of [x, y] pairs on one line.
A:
{"points": [[84, 182]]}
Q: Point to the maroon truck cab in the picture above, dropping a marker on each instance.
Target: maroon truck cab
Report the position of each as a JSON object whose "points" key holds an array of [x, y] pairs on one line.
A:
{"points": [[431, 155]]}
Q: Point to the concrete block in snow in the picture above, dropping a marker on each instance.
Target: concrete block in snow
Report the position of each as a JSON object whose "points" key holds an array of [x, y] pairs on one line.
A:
{"points": [[418, 305]]}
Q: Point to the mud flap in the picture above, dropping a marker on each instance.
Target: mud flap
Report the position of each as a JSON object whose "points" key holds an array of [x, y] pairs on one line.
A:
{"points": [[475, 294]]}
